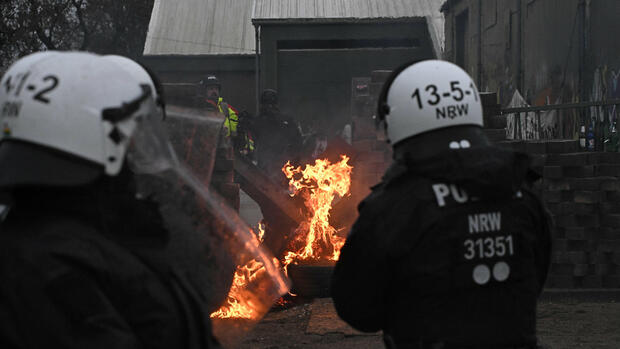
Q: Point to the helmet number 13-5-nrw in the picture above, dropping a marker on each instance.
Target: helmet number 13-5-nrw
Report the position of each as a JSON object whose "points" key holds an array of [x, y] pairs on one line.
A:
{"points": [[456, 93]]}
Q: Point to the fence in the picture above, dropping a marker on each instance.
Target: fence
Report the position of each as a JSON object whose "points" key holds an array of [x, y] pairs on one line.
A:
{"points": [[564, 121]]}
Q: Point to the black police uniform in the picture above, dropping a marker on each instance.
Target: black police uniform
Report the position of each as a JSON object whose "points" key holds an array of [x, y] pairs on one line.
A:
{"points": [[449, 252], [76, 274], [278, 140]]}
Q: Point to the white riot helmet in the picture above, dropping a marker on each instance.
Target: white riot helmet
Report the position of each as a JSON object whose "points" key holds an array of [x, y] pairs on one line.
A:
{"points": [[143, 74], [72, 114], [428, 96]]}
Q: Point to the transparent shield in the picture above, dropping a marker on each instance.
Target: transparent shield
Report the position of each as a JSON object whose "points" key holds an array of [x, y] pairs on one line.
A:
{"points": [[241, 279]]}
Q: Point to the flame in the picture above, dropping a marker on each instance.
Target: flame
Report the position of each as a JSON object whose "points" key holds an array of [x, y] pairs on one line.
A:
{"points": [[315, 238], [318, 184], [261, 231], [234, 307], [244, 275]]}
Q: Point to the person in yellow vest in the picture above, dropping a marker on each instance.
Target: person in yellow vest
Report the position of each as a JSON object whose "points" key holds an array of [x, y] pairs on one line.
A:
{"points": [[242, 141], [214, 101]]}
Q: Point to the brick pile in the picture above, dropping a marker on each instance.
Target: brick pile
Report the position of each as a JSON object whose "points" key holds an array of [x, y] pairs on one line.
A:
{"points": [[582, 193]]}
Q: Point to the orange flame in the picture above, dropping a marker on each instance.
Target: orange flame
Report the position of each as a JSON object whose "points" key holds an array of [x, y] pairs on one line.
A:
{"points": [[261, 231], [234, 308], [244, 275], [316, 238], [319, 184]]}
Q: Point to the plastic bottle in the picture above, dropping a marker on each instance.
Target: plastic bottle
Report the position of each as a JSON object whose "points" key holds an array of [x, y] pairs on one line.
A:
{"points": [[613, 139], [590, 139], [582, 138]]}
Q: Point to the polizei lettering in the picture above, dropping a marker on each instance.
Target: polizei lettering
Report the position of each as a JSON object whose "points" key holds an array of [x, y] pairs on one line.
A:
{"points": [[485, 222], [452, 111], [443, 191]]}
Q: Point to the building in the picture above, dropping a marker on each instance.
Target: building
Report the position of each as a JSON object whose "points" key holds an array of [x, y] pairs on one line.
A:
{"points": [[309, 50], [551, 51]]}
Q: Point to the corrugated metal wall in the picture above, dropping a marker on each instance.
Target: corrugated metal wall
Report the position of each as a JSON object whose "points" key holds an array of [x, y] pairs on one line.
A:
{"points": [[284, 9], [323, 9]]}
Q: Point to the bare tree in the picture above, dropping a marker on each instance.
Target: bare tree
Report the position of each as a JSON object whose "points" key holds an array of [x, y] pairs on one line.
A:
{"points": [[102, 26]]}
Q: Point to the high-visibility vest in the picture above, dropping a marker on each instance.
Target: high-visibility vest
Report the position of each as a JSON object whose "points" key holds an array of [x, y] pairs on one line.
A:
{"points": [[249, 143], [232, 120]]}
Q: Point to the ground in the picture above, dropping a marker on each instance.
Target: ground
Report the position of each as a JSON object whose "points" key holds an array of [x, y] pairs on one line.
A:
{"points": [[563, 323]]}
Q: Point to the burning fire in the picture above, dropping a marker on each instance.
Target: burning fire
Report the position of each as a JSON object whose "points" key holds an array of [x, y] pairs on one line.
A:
{"points": [[244, 275], [319, 184], [261, 231], [233, 307], [316, 239]]}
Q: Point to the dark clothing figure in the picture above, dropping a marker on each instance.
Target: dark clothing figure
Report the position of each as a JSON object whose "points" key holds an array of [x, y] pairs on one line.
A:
{"points": [[449, 251], [96, 267], [278, 140], [277, 136]]}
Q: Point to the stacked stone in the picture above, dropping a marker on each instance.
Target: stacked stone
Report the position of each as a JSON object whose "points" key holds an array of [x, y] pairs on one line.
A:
{"points": [[582, 192]]}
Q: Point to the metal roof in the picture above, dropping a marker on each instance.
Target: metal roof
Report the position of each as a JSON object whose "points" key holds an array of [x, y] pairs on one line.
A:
{"points": [[193, 27], [320, 10], [308, 9], [188, 27]]}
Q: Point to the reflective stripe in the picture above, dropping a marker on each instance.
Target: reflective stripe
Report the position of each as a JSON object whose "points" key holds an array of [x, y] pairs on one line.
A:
{"points": [[231, 117], [231, 122], [249, 143]]}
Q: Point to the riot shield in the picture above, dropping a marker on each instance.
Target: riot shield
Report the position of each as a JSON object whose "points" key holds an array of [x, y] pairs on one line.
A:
{"points": [[172, 160], [194, 135]]}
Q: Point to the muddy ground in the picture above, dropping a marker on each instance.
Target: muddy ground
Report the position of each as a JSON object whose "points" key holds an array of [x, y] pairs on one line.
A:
{"points": [[563, 323]]}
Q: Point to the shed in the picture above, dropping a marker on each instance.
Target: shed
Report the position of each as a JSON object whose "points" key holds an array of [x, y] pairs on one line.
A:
{"points": [[190, 38], [311, 49]]}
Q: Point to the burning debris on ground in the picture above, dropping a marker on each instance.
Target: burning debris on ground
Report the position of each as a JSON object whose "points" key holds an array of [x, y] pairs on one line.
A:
{"points": [[314, 242]]}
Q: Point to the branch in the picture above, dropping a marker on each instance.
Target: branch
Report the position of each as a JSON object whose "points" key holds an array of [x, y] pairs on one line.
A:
{"points": [[44, 39], [37, 27], [81, 23], [59, 12]]}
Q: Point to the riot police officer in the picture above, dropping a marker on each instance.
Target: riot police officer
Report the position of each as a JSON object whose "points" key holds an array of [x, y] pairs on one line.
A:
{"points": [[451, 249], [277, 135], [95, 249]]}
